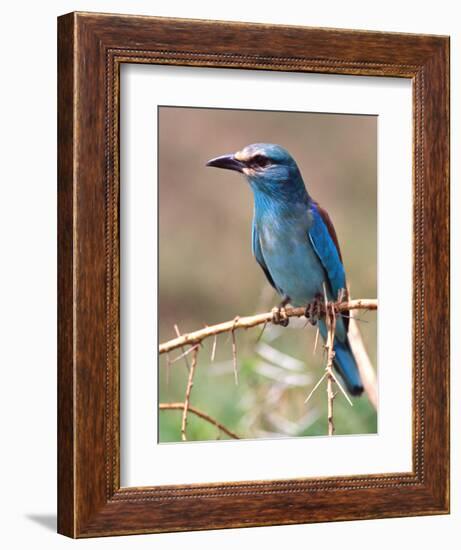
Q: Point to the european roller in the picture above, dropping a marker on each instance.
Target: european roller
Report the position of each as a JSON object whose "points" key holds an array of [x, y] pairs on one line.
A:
{"points": [[294, 241]]}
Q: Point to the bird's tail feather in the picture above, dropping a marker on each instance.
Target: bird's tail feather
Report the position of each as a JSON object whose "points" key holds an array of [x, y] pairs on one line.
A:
{"points": [[345, 363]]}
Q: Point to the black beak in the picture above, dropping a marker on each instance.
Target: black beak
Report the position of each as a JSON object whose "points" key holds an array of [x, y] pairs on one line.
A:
{"points": [[228, 162]]}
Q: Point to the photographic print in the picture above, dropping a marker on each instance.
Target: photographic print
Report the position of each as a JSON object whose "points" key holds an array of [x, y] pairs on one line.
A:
{"points": [[266, 212], [219, 251]]}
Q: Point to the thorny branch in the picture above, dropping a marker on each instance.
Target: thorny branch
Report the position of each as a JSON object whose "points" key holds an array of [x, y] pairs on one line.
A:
{"points": [[194, 338], [331, 325], [201, 414], [178, 334], [191, 342], [190, 383], [330, 319]]}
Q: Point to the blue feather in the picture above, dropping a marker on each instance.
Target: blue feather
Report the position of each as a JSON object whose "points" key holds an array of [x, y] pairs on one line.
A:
{"points": [[257, 253], [327, 252]]}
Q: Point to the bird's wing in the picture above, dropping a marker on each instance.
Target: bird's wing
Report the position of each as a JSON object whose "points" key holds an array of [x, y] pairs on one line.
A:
{"points": [[323, 237], [257, 253]]}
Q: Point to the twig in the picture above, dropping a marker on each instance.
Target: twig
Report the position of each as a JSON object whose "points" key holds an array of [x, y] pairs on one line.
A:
{"points": [[331, 325], [196, 337], [190, 383], [343, 391], [330, 319], [330, 397], [197, 412]]}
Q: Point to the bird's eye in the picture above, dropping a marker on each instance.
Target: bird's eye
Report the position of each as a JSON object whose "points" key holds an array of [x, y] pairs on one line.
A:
{"points": [[260, 161]]}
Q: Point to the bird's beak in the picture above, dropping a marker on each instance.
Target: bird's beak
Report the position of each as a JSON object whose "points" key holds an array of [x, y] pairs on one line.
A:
{"points": [[226, 161]]}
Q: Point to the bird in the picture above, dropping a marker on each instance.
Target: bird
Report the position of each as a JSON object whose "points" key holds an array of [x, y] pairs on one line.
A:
{"points": [[294, 242]]}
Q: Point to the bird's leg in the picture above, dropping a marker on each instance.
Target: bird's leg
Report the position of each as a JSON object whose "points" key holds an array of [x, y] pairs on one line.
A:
{"points": [[314, 309], [279, 315]]}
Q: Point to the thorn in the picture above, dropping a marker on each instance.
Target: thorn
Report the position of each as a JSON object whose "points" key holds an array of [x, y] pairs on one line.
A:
{"points": [[315, 387], [185, 353], [178, 334], [261, 332], [316, 340], [213, 349], [325, 295]]}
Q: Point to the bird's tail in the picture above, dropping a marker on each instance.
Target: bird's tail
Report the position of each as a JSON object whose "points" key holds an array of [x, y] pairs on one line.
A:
{"points": [[344, 362], [346, 365]]}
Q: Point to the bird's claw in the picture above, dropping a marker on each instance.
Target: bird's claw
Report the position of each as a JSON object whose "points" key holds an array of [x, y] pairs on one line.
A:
{"points": [[312, 312], [280, 317]]}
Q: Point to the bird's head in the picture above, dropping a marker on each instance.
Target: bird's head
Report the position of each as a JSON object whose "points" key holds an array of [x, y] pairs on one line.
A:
{"points": [[269, 168]]}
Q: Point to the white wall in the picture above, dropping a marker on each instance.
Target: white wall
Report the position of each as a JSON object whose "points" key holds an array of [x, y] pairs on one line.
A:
{"points": [[28, 269]]}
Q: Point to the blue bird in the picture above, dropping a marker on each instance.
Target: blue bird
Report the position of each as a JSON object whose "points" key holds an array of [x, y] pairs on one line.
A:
{"points": [[294, 241]]}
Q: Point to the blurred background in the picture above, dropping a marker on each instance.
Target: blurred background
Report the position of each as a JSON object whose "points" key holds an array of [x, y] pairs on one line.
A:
{"points": [[207, 273]]}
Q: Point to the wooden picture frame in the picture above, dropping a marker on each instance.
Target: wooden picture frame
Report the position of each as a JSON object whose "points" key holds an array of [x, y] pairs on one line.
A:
{"points": [[91, 49]]}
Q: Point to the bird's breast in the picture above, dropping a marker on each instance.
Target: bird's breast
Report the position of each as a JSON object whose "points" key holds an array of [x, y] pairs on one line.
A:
{"points": [[291, 259]]}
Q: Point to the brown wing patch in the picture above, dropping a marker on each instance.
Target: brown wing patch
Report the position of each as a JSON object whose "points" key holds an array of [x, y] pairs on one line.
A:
{"points": [[331, 230]]}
